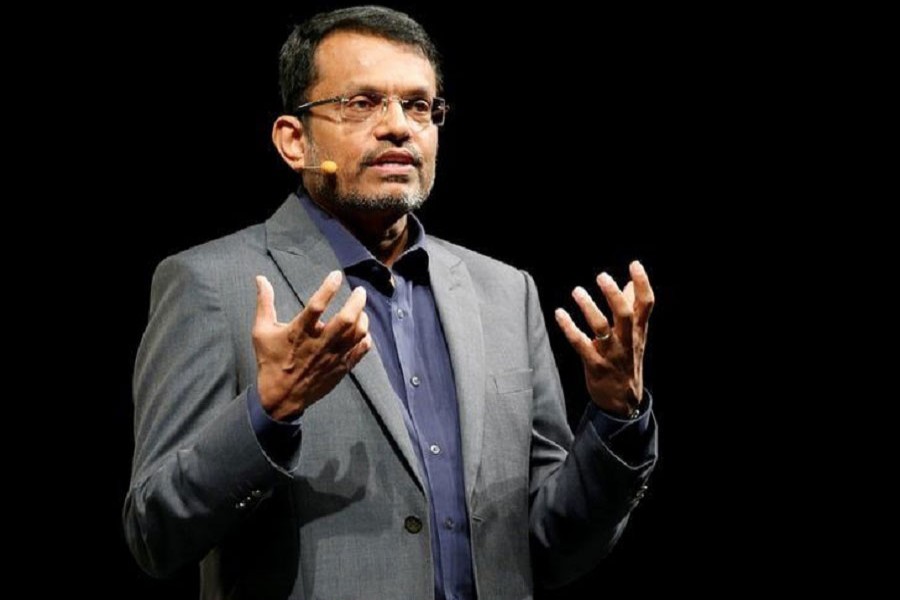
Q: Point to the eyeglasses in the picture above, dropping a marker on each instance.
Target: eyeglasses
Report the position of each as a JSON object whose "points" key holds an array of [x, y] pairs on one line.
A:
{"points": [[368, 106]]}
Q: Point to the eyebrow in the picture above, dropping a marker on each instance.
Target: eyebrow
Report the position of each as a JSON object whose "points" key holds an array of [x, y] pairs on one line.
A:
{"points": [[370, 89]]}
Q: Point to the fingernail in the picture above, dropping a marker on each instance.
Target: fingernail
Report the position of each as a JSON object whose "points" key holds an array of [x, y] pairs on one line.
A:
{"points": [[637, 265], [580, 292], [604, 276], [334, 277]]}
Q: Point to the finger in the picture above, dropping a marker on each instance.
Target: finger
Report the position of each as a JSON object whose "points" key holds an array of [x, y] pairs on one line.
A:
{"points": [[580, 342], [638, 332], [308, 319], [361, 329], [265, 302], [346, 318], [628, 292], [621, 310], [644, 296], [596, 320], [356, 354]]}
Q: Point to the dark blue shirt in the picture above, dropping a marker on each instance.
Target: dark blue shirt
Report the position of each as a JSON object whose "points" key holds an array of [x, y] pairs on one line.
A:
{"points": [[406, 329]]}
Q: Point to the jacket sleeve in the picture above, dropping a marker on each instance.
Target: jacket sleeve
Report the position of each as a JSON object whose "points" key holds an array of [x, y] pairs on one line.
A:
{"points": [[581, 492], [198, 469]]}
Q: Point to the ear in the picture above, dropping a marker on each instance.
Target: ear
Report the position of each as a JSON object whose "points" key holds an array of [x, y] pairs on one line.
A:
{"points": [[290, 141]]}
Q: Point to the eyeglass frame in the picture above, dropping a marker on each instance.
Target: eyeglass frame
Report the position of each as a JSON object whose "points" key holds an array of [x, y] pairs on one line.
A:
{"points": [[385, 100]]}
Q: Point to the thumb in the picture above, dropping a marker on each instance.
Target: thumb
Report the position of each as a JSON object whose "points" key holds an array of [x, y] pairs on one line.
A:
{"points": [[265, 302]]}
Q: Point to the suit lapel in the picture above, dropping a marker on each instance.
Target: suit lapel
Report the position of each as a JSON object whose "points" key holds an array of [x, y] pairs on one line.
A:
{"points": [[305, 258], [457, 303]]}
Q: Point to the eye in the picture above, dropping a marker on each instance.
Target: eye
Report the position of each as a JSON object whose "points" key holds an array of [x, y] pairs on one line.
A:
{"points": [[362, 103], [418, 106]]}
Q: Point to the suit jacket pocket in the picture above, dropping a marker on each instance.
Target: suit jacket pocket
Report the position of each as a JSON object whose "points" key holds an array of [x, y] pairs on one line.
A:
{"points": [[506, 382]]}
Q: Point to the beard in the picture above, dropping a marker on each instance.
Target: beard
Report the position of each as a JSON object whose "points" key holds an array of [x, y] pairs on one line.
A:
{"points": [[329, 190], [399, 203]]}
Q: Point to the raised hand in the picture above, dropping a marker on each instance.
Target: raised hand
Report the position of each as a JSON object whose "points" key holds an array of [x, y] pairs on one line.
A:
{"points": [[613, 357], [300, 362]]}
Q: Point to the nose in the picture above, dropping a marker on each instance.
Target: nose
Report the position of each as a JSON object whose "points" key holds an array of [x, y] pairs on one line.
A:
{"points": [[393, 122]]}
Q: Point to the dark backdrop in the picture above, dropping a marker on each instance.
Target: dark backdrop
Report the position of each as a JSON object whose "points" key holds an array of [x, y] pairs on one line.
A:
{"points": [[574, 145]]}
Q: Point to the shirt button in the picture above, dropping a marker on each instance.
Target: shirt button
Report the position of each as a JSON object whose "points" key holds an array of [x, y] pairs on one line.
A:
{"points": [[413, 524], [415, 380], [448, 523], [435, 449], [401, 313]]}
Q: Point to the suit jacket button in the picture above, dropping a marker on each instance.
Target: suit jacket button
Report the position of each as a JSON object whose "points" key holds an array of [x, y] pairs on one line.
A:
{"points": [[413, 524]]}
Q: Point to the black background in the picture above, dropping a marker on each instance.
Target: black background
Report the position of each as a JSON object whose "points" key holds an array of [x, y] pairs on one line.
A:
{"points": [[575, 144]]}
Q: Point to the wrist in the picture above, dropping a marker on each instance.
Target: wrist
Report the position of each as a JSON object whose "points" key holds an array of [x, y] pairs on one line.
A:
{"points": [[633, 403], [621, 404], [275, 403]]}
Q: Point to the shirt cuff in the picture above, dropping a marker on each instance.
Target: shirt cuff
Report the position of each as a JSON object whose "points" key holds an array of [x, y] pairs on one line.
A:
{"points": [[279, 439], [608, 425], [628, 438]]}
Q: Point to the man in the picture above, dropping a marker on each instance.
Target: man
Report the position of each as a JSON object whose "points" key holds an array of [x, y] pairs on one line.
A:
{"points": [[403, 440]]}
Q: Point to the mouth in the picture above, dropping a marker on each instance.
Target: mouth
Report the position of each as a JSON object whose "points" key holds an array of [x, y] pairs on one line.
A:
{"points": [[394, 162]]}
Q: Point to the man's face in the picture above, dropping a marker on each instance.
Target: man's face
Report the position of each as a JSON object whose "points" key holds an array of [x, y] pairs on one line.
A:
{"points": [[367, 178]]}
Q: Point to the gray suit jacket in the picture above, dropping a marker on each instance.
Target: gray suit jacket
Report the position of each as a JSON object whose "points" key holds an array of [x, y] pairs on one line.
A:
{"points": [[333, 521]]}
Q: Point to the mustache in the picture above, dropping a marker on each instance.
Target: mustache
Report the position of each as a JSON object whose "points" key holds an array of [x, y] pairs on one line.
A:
{"points": [[370, 157]]}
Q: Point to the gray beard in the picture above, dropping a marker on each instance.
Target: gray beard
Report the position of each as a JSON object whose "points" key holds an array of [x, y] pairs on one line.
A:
{"points": [[398, 204], [401, 203]]}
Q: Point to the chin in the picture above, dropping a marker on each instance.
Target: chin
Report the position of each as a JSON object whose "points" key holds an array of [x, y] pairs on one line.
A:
{"points": [[383, 200]]}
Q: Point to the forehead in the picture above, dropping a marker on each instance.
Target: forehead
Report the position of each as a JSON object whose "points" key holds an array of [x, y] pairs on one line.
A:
{"points": [[348, 59]]}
